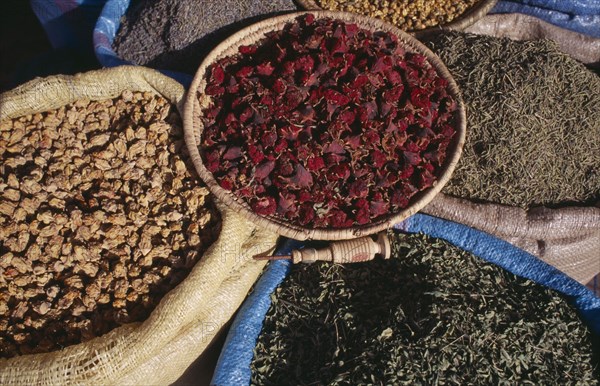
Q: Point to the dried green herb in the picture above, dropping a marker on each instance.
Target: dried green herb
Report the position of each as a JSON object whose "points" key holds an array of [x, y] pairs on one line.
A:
{"points": [[433, 314], [533, 112]]}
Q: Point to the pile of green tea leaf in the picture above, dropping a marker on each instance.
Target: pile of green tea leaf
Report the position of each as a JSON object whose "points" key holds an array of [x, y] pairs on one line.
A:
{"points": [[433, 314], [533, 121]]}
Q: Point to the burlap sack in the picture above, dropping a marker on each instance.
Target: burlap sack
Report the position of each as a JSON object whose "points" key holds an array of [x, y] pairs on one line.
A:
{"points": [[518, 26], [158, 350], [567, 238]]}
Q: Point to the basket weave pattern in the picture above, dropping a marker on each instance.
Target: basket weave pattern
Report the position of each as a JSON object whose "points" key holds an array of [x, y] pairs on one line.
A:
{"points": [[197, 100]]}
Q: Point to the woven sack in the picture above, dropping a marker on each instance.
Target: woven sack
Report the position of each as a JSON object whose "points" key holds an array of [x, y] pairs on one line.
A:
{"points": [[197, 100], [517, 26], [158, 350], [566, 238]]}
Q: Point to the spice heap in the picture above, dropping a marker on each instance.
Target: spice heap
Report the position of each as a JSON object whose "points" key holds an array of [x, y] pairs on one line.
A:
{"points": [[409, 15], [534, 121], [327, 124], [99, 218], [177, 34], [433, 314]]}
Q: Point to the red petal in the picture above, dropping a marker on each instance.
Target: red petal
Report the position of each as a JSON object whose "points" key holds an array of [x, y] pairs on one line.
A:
{"points": [[315, 163], [338, 45], [232, 153], [302, 178], [286, 203], [348, 116], [244, 72], [280, 146], [379, 208], [351, 29], [338, 219], [265, 69], [264, 206], [256, 153], [263, 170], [306, 214], [360, 81], [336, 97], [304, 196], [217, 75], [247, 50], [378, 158], [358, 189], [214, 90], [425, 179], [334, 147]]}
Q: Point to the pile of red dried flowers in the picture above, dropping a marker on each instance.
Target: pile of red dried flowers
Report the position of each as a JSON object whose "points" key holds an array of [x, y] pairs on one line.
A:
{"points": [[326, 124]]}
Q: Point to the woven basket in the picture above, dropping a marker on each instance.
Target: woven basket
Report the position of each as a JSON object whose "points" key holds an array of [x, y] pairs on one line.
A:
{"points": [[473, 14], [196, 100]]}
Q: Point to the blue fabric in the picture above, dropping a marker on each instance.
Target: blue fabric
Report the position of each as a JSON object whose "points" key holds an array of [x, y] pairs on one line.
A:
{"points": [[105, 30], [574, 7], [233, 367], [588, 24]]}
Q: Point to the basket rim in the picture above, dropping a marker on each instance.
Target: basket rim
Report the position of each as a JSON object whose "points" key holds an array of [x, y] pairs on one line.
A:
{"points": [[463, 21], [193, 129]]}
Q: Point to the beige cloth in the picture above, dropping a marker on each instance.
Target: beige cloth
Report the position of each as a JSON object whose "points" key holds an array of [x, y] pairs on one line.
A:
{"points": [[517, 26], [158, 350], [567, 238]]}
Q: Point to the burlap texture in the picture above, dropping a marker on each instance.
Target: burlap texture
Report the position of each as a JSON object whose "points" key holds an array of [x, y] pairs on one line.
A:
{"points": [[518, 26], [158, 350], [567, 238]]}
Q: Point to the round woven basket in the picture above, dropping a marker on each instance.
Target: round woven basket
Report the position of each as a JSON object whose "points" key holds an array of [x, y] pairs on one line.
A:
{"points": [[473, 14], [196, 100]]}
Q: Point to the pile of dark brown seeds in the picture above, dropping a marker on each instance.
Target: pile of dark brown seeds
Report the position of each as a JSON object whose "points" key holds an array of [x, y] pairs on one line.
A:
{"points": [[177, 34]]}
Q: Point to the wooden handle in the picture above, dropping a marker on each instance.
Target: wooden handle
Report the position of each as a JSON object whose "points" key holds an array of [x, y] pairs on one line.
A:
{"points": [[347, 251]]}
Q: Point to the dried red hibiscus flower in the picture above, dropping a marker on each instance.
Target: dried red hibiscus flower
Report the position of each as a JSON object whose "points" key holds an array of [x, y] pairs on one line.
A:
{"points": [[325, 124]]}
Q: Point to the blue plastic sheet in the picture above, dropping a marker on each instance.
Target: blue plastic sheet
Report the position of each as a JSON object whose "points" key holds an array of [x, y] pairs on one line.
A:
{"points": [[574, 7], [233, 367], [587, 23], [105, 31]]}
